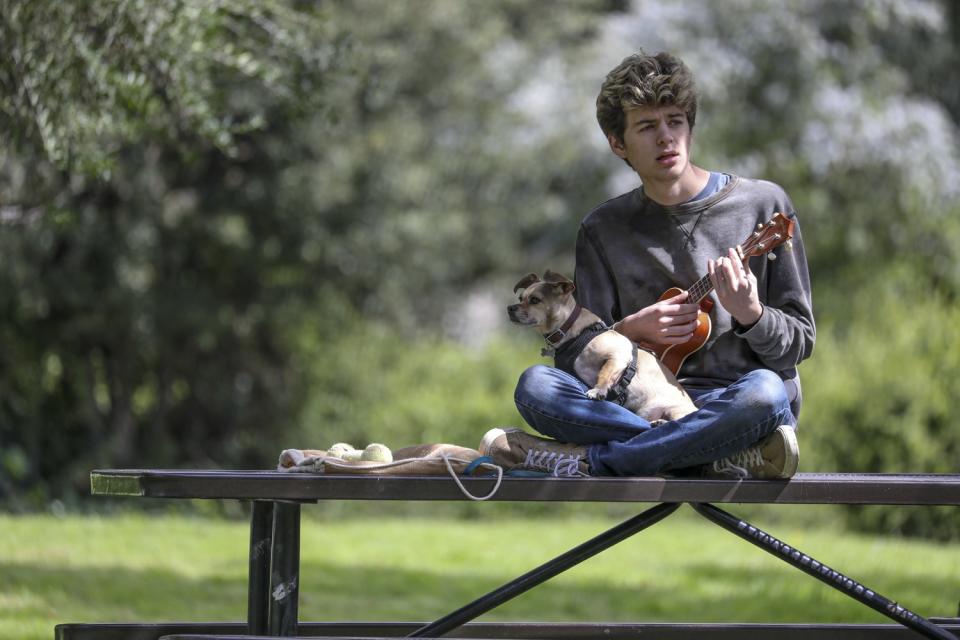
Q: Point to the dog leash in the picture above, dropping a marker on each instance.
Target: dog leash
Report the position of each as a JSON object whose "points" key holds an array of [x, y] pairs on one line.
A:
{"points": [[316, 464]]}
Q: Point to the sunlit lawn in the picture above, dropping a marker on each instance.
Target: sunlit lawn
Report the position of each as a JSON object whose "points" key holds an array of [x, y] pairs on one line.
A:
{"points": [[174, 567]]}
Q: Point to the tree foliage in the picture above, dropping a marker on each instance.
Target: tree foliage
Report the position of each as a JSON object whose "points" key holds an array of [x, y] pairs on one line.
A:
{"points": [[133, 303], [166, 256], [81, 79], [229, 227]]}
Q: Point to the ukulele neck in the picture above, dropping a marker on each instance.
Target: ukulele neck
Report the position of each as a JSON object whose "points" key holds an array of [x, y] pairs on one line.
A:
{"points": [[700, 290]]}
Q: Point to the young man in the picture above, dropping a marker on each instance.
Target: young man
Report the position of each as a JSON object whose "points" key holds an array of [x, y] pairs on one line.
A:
{"points": [[678, 225]]}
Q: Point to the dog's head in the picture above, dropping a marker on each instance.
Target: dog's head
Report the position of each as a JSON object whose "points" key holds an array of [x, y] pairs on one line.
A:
{"points": [[544, 303]]}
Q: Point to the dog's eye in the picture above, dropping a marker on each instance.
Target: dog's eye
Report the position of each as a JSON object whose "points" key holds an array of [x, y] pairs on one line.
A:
{"points": [[533, 300]]}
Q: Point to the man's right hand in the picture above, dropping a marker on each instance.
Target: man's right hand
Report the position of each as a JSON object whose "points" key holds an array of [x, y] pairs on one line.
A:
{"points": [[666, 322]]}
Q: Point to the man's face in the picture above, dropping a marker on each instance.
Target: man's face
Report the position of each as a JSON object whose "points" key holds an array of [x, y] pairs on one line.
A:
{"points": [[656, 143]]}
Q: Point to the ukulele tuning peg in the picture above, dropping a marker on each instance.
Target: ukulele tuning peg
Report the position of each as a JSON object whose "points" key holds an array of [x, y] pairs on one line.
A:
{"points": [[789, 245], [771, 256], [759, 226]]}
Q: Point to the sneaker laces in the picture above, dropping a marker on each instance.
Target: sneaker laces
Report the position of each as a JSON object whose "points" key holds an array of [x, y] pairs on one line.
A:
{"points": [[557, 464], [748, 458], [726, 467]]}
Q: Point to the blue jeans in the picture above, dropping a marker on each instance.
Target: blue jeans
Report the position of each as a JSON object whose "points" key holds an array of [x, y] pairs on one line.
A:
{"points": [[622, 443]]}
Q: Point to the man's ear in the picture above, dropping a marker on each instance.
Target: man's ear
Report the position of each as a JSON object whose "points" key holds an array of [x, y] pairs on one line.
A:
{"points": [[617, 145]]}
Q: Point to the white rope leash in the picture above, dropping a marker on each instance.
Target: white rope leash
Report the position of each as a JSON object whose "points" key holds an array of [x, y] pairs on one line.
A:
{"points": [[463, 489], [316, 464]]}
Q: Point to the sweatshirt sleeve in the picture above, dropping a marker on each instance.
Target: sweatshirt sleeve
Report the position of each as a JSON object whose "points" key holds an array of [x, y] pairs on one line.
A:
{"points": [[594, 281], [785, 333]]}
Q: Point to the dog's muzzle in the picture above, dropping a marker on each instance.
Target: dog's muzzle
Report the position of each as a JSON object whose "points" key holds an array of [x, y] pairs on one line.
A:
{"points": [[515, 311]]}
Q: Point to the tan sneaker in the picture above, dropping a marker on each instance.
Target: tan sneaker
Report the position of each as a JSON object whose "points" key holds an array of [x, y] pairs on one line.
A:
{"points": [[775, 457], [515, 449]]}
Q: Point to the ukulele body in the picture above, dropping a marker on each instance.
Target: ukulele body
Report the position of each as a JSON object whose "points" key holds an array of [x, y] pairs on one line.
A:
{"points": [[673, 355], [777, 231]]}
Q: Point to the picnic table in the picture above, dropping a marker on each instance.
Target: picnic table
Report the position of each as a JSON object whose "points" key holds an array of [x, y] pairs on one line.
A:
{"points": [[274, 552]]}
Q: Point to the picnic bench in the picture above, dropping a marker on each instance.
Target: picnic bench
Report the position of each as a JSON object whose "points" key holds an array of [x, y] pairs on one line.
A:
{"points": [[274, 552]]}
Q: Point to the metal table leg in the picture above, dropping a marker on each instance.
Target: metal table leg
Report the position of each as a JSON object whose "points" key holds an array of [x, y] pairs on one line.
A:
{"points": [[273, 587], [285, 570], [822, 572], [258, 581], [546, 571]]}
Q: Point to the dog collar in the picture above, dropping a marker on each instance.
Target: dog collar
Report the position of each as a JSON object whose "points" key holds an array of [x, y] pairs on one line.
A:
{"points": [[557, 336]]}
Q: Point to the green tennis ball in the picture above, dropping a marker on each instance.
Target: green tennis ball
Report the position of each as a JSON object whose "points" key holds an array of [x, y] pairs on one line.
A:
{"points": [[377, 452], [341, 450], [352, 455]]}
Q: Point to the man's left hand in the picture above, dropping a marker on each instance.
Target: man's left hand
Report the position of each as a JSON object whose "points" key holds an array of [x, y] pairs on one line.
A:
{"points": [[736, 287]]}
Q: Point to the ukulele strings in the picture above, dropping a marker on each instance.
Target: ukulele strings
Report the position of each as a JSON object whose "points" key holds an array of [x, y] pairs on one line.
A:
{"points": [[702, 287]]}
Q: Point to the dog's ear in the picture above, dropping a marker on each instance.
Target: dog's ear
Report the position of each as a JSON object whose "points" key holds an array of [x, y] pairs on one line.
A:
{"points": [[527, 280], [553, 276], [560, 280]]}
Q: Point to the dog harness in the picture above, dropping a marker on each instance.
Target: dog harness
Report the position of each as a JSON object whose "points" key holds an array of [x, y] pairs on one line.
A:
{"points": [[566, 354]]}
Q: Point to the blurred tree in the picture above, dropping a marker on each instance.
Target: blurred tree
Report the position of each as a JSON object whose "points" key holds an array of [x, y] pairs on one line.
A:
{"points": [[80, 79], [192, 188], [432, 164], [130, 301], [219, 222]]}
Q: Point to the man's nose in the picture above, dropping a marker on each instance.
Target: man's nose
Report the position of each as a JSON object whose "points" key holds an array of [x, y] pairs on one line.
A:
{"points": [[663, 133]]}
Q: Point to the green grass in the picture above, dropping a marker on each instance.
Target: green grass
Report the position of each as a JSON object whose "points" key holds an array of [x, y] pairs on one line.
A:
{"points": [[176, 567]]}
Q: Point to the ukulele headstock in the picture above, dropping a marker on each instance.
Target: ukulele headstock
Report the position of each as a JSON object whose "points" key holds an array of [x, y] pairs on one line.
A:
{"points": [[768, 236]]}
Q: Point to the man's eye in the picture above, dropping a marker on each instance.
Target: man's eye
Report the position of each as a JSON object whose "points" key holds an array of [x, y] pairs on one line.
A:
{"points": [[533, 300]]}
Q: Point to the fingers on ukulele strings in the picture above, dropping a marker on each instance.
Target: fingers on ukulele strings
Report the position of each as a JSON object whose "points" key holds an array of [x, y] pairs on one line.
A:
{"points": [[680, 314], [732, 271], [715, 269], [671, 335], [678, 306], [745, 267], [677, 299]]}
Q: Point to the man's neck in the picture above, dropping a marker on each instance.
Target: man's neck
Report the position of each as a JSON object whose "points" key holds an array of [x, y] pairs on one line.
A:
{"points": [[668, 193]]}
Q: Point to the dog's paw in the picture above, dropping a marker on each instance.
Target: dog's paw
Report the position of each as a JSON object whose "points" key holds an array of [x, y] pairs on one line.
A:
{"points": [[597, 394], [657, 423]]}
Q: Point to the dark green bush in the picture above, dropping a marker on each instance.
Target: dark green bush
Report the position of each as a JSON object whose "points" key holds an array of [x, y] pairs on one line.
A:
{"points": [[881, 394], [372, 385]]}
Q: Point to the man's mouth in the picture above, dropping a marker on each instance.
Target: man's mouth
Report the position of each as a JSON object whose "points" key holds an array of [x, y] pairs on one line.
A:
{"points": [[668, 158]]}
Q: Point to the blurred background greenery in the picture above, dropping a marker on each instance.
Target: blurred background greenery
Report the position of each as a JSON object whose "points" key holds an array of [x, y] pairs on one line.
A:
{"points": [[231, 227]]}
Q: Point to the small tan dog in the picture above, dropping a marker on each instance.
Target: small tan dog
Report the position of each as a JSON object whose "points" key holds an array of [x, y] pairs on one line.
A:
{"points": [[547, 305]]}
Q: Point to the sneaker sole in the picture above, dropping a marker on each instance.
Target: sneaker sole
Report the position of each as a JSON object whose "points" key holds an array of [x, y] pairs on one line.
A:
{"points": [[492, 435], [792, 461]]}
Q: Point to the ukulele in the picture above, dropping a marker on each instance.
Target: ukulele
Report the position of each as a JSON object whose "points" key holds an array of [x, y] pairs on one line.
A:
{"points": [[766, 238]]}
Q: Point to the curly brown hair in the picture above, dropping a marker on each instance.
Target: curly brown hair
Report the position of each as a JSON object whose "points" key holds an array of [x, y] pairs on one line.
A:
{"points": [[642, 80]]}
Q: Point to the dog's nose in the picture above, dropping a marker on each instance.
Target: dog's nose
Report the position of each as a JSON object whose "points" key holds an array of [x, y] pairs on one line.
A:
{"points": [[512, 311]]}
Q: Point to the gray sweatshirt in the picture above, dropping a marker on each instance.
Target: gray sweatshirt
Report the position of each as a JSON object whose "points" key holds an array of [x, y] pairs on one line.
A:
{"points": [[630, 250]]}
